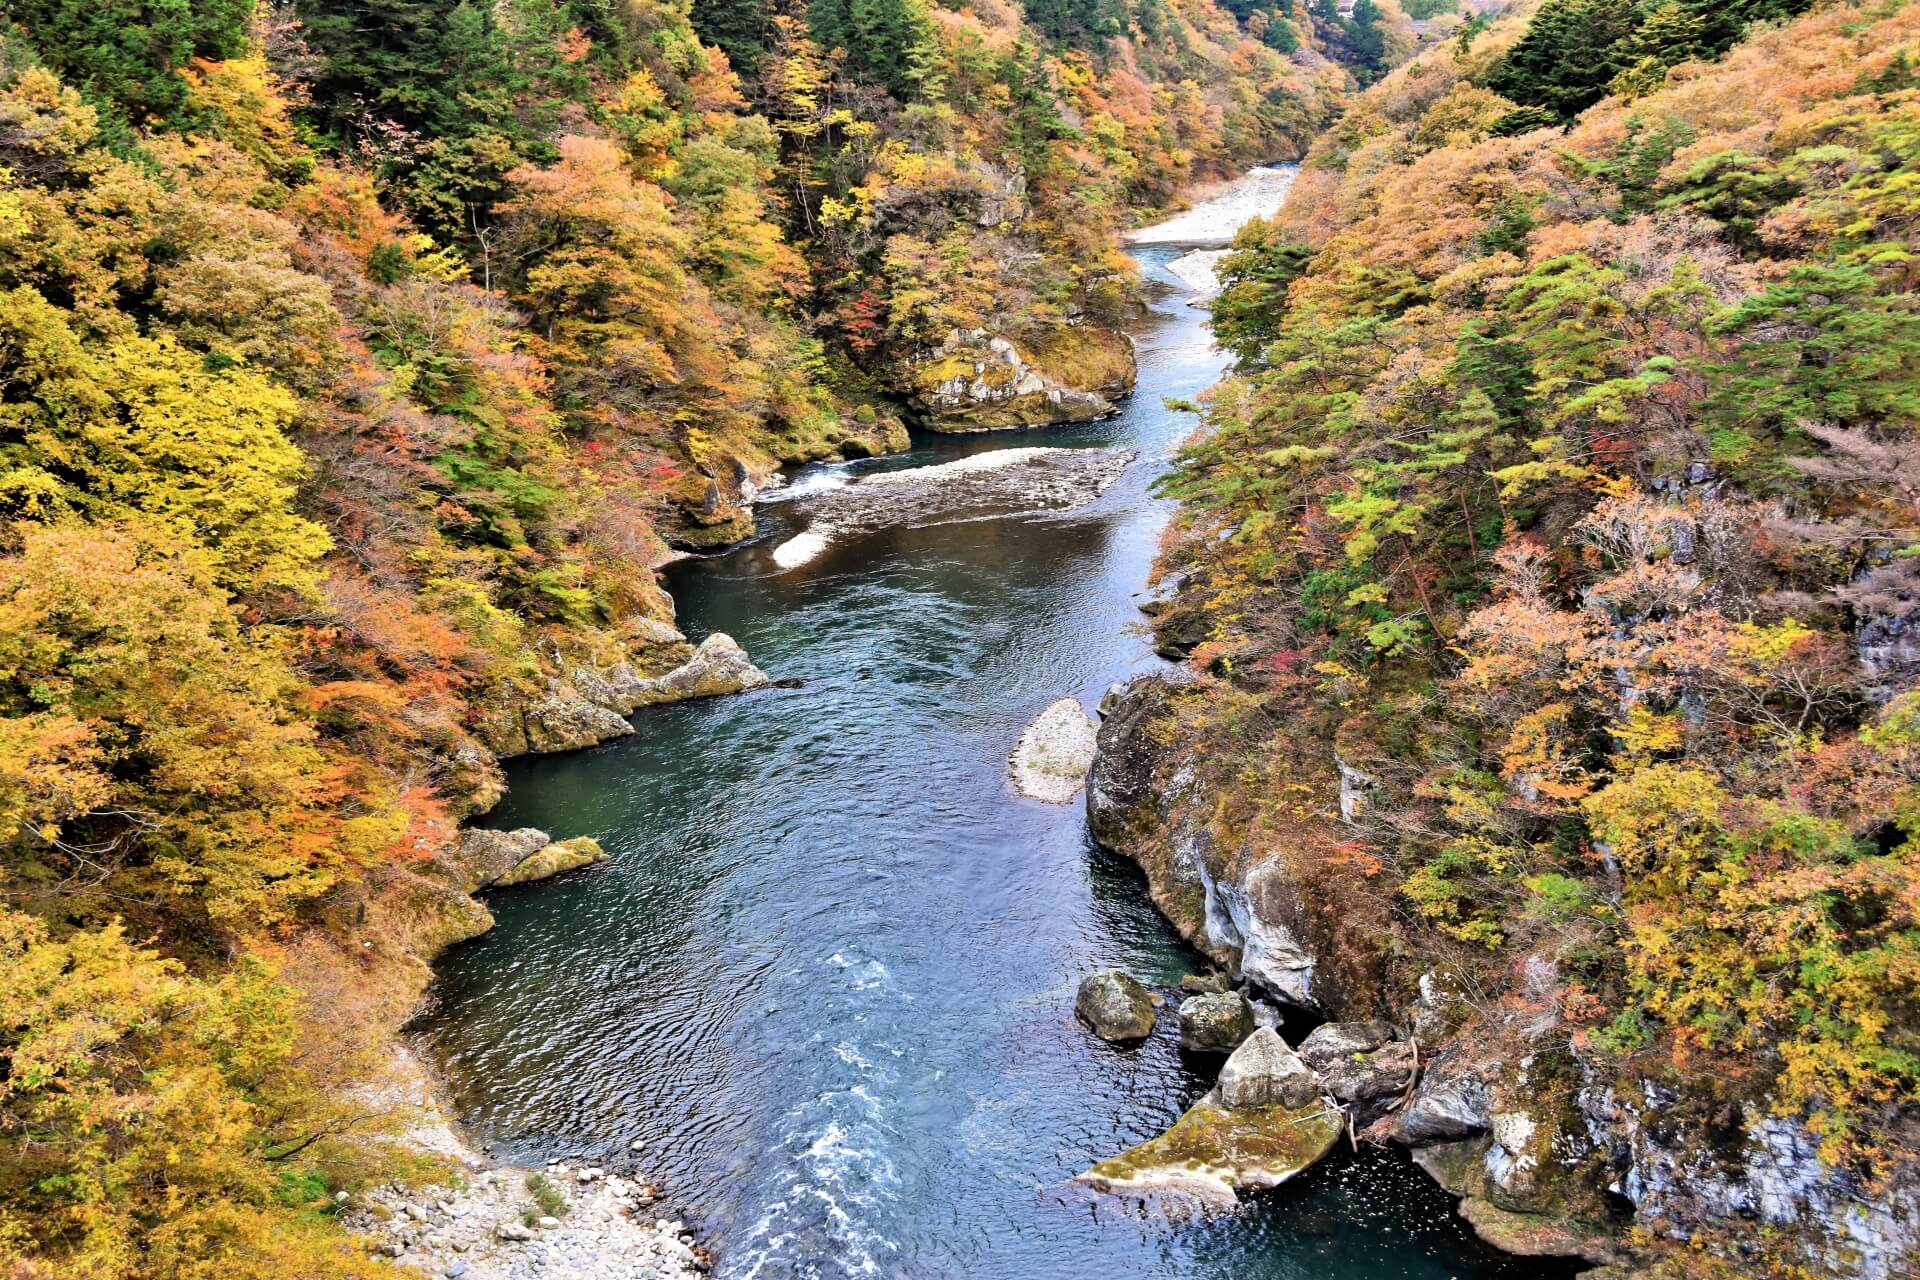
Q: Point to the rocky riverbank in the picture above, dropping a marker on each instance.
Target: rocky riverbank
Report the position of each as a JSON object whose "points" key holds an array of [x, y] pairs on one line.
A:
{"points": [[485, 1220], [1551, 1153]]}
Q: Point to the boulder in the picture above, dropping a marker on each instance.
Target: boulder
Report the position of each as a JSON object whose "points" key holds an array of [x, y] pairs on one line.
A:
{"points": [[1215, 1023], [552, 859], [1264, 1072], [1448, 1105], [718, 666], [1263, 1123], [1053, 756], [1115, 1006], [1362, 1064]]}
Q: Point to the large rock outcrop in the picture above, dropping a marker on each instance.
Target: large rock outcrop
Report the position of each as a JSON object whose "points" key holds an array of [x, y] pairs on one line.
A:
{"points": [[1240, 895], [585, 704], [483, 859], [976, 381], [719, 666], [480, 856], [552, 859], [1264, 1122]]}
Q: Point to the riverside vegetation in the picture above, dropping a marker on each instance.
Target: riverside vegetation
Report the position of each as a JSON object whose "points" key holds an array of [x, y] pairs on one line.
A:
{"points": [[1546, 584], [358, 365]]}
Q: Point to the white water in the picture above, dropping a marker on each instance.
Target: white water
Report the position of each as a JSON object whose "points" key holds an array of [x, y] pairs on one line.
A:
{"points": [[1213, 222]]}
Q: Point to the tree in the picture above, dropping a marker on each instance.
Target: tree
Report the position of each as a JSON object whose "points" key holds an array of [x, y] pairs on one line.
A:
{"points": [[1569, 56], [183, 773], [741, 28], [143, 1108], [1252, 303], [144, 427], [127, 55]]}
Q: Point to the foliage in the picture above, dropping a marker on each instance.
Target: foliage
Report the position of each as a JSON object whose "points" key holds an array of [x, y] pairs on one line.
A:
{"points": [[139, 1102], [1576, 51], [356, 368], [1571, 465]]}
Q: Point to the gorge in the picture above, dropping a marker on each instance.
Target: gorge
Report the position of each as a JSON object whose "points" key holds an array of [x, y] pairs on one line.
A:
{"points": [[1031, 638], [826, 975]]}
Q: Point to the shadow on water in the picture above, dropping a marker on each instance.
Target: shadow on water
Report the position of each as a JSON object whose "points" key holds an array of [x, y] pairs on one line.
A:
{"points": [[827, 972]]}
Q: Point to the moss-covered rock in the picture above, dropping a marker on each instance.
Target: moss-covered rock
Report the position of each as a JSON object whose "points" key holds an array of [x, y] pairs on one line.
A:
{"points": [[1213, 1153], [1264, 1121], [1215, 1023], [1115, 1006], [552, 859], [974, 381]]}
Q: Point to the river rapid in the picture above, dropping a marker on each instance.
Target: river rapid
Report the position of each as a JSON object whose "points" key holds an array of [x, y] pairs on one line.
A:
{"points": [[826, 976]]}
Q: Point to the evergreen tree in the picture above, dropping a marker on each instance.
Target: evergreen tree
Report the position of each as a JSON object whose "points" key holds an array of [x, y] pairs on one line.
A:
{"points": [[126, 55], [887, 42], [1252, 304], [739, 28], [1569, 56], [1368, 41], [448, 101]]}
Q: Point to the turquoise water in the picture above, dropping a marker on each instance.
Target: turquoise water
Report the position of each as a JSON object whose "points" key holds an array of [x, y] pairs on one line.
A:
{"points": [[827, 973]]}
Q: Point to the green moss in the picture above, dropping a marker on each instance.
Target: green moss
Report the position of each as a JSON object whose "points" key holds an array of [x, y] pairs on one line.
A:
{"points": [[1245, 1147]]}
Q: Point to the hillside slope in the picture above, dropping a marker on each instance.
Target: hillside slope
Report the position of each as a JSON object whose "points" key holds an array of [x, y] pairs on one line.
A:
{"points": [[358, 366], [1546, 582]]}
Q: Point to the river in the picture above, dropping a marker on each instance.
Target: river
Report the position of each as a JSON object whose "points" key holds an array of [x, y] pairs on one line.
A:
{"points": [[827, 974]]}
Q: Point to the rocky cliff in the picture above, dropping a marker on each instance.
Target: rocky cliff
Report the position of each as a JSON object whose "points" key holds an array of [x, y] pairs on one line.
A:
{"points": [[977, 381], [1553, 1152]]}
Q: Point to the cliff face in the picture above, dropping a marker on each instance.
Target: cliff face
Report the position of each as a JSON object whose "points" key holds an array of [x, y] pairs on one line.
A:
{"points": [[1553, 1152], [973, 381]]}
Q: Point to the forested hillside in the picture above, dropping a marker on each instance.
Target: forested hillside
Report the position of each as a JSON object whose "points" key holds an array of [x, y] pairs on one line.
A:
{"points": [[358, 365], [1547, 580]]}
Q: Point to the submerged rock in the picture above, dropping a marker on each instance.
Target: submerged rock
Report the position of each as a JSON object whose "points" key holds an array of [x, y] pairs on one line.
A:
{"points": [[552, 859], [1215, 1023], [1005, 482], [1115, 1005], [1263, 1123], [1055, 752], [1534, 1235]]}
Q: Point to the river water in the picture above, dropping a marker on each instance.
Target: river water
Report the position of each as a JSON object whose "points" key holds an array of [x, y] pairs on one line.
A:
{"points": [[827, 973]]}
